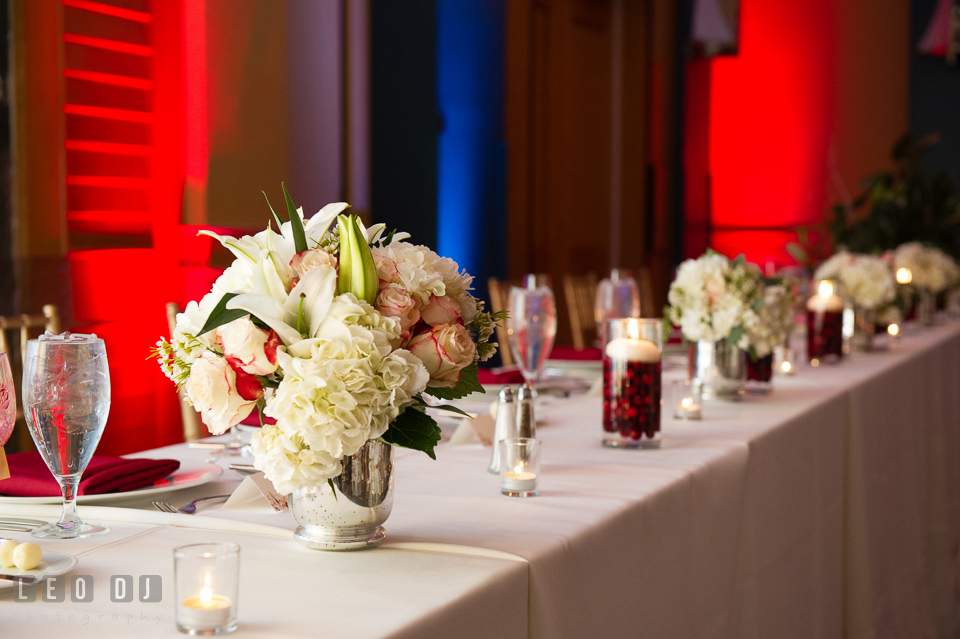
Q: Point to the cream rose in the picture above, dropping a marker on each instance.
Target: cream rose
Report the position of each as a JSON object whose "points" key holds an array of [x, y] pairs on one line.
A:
{"points": [[393, 301], [212, 389], [250, 348], [310, 259], [441, 310], [386, 268], [445, 351]]}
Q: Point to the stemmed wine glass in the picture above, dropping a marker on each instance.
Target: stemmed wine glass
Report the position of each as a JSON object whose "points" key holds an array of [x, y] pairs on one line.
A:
{"points": [[8, 400], [531, 326], [617, 296], [66, 398]]}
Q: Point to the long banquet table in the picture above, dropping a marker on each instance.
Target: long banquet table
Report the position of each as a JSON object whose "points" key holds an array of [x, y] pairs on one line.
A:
{"points": [[828, 509]]}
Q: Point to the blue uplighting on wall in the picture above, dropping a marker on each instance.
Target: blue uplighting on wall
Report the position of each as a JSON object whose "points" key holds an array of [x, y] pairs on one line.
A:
{"points": [[470, 190]]}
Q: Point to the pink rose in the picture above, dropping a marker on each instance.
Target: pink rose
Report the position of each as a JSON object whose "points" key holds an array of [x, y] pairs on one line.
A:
{"points": [[386, 269], [441, 310], [310, 259], [213, 391], [393, 301], [445, 351], [248, 347]]}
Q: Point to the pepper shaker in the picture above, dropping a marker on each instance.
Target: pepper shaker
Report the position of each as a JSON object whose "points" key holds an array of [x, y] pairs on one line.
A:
{"points": [[505, 427], [526, 420]]}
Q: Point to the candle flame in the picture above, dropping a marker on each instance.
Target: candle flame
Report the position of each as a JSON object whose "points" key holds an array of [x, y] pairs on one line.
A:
{"points": [[826, 289], [686, 402], [519, 468], [206, 595], [904, 275], [786, 367], [633, 329], [894, 329]]}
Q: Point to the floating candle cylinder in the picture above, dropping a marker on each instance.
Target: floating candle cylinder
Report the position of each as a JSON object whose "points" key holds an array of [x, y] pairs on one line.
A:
{"points": [[904, 275], [825, 324]]}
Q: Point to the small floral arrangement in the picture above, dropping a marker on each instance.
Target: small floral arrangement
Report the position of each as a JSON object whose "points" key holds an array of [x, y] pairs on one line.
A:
{"points": [[866, 279], [336, 331], [711, 297], [931, 268], [769, 323]]}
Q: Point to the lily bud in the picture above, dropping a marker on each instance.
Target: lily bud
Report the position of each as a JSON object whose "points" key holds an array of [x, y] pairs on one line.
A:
{"points": [[358, 272]]}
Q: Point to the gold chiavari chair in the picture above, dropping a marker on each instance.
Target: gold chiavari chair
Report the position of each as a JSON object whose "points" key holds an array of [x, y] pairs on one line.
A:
{"points": [[188, 415], [581, 294], [645, 286], [499, 290]]}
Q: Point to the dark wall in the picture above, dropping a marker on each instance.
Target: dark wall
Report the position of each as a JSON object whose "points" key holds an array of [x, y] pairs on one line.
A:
{"points": [[404, 122], [934, 98]]}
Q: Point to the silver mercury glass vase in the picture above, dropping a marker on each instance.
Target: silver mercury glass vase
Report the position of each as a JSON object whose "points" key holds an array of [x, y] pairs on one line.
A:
{"points": [[721, 368], [350, 518]]}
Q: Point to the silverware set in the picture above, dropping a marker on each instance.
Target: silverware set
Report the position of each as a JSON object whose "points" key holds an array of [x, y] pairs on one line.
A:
{"points": [[17, 524], [190, 508]]}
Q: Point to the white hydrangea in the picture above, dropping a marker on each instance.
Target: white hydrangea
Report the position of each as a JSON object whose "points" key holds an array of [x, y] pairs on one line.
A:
{"points": [[348, 390], [866, 279], [770, 325], [710, 296], [931, 268]]}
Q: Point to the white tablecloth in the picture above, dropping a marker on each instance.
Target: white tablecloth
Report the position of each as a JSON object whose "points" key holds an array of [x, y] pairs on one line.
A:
{"points": [[829, 509]]}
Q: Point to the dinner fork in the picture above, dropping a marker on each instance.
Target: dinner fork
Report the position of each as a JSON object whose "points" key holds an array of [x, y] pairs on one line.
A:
{"points": [[190, 508]]}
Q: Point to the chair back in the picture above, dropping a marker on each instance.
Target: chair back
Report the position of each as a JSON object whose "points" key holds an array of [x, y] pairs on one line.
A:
{"points": [[49, 320], [645, 287], [188, 415], [581, 294], [499, 292]]}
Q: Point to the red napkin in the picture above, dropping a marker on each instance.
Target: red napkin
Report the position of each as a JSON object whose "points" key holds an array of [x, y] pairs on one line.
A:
{"points": [[568, 353], [253, 419], [494, 376], [30, 477]]}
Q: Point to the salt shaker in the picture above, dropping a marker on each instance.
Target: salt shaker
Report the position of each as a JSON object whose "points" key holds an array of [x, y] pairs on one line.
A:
{"points": [[505, 427], [526, 421]]}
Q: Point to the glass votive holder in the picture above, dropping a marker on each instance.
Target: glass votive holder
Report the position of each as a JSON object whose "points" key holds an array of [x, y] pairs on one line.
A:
{"points": [[686, 397], [520, 467], [207, 579], [785, 362], [825, 324], [632, 383]]}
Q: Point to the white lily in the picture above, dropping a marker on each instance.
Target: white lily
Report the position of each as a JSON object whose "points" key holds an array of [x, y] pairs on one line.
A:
{"points": [[295, 315]]}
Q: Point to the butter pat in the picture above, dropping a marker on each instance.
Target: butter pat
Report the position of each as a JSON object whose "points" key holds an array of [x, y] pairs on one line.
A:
{"points": [[27, 556], [7, 547]]}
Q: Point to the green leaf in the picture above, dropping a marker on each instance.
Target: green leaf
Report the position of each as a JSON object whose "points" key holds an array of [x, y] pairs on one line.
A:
{"points": [[735, 334], [221, 315], [299, 235], [449, 408], [468, 384], [275, 216], [757, 305], [414, 430]]}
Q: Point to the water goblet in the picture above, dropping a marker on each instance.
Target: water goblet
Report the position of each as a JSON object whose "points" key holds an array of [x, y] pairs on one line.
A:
{"points": [[531, 328], [66, 399]]}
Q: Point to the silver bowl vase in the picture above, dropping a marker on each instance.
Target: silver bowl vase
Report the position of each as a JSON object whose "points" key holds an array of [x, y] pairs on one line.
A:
{"points": [[349, 517], [720, 367]]}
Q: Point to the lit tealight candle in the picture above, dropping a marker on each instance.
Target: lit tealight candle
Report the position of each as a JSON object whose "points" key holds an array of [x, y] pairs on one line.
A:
{"points": [[518, 480], [904, 276], [893, 330], [688, 406], [825, 301], [633, 349], [206, 611], [786, 367]]}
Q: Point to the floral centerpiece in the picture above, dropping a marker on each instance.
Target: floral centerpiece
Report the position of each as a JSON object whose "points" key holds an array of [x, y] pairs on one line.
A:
{"points": [[931, 269], [334, 330], [866, 279], [712, 300]]}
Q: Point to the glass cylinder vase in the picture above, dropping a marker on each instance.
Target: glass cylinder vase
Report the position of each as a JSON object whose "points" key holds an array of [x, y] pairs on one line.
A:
{"points": [[632, 383], [825, 324], [864, 325], [720, 367], [760, 374]]}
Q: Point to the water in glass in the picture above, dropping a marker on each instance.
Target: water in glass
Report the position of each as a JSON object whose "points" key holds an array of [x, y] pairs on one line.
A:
{"points": [[66, 398], [531, 328]]}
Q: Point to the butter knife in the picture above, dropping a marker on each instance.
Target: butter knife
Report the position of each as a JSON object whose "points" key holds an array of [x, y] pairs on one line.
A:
{"points": [[25, 579]]}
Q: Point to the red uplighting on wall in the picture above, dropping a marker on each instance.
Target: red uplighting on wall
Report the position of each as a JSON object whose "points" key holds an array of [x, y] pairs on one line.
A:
{"points": [[769, 126]]}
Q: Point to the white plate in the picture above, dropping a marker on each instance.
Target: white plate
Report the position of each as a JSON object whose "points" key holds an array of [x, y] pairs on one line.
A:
{"points": [[189, 474], [53, 564]]}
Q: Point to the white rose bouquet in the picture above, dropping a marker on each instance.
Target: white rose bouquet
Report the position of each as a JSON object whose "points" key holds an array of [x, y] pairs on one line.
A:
{"points": [[334, 331], [932, 269], [866, 279], [711, 295]]}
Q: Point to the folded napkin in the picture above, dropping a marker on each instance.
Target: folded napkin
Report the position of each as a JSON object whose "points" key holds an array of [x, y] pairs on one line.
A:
{"points": [[30, 477], [253, 419], [567, 353], [496, 376]]}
